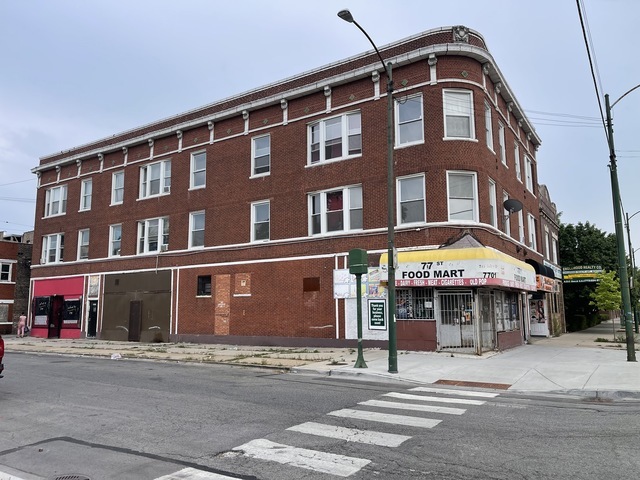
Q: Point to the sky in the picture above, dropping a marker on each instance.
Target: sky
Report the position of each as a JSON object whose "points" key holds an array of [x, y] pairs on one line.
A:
{"points": [[75, 71]]}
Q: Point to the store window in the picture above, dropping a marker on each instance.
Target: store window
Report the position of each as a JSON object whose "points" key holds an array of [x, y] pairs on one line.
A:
{"points": [[507, 311], [414, 304]]}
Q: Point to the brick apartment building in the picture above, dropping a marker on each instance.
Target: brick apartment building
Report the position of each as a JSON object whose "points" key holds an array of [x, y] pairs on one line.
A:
{"points": [[233, 222], [15, 265]]}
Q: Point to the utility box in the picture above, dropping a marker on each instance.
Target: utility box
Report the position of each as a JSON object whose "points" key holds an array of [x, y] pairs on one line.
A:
{"points": [[358, 261]]}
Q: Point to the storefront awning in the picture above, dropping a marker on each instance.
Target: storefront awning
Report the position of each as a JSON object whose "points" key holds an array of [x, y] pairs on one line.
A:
{"points": [[544, 275], [460, 267]]}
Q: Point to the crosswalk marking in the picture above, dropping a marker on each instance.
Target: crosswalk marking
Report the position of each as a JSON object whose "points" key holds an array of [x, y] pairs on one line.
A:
{"points": [[461, 401], [330, 463], [195, 474], [414, 406], [460, 393], [386, 418], [351, 434]]}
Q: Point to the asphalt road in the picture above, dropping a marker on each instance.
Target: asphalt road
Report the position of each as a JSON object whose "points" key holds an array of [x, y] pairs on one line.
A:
{"points": [[122, 419]]}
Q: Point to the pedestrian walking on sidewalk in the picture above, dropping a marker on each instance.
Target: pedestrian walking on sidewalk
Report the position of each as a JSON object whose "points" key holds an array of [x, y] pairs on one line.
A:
{"points": [[22, 322]]}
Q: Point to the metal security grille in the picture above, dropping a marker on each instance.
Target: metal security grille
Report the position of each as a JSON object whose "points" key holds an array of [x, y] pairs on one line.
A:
{"points": [[456, 322], [487, 324], [414, 303]]}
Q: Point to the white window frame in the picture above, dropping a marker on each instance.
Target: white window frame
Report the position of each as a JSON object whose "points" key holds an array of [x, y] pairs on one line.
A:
{"points": [[474, 199], [5, 271], [55, 202], [115, 239], [193, 228], [351, 203], [521, 237], [547, 250], [528, 171], [52, 244], [83, 243], [455, 106], [164, 179], [196, 170], [318, 131], [516, 154], [86, 192], [506, 215], [116, 190], [399, 141], [531, 227], [488, 127], [493, 204], [502, 143], [144, 240], [260, 153], [400, 199], [554, 248], [257, 219]]}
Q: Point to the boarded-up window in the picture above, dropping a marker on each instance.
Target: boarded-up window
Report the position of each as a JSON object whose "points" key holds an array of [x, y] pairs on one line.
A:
{"points": [[311, 284], [242, 284], [204, 285]]}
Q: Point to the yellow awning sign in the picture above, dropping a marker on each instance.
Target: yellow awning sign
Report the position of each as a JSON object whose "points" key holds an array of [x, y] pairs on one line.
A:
{"points": [[460, 267]]}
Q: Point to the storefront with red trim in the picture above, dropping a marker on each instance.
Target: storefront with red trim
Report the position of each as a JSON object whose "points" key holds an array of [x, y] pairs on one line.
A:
{"points": [[56, 308]]}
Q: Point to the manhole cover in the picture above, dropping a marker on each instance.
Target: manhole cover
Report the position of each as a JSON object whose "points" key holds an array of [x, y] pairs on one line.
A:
{"points": [[70, 476]]}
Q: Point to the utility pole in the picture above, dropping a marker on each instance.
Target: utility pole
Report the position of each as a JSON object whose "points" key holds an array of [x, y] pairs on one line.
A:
{"points": [[622, 258]]}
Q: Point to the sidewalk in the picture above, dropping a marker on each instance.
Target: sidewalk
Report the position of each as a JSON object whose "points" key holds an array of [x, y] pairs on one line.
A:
{"points": [[573, 363]]}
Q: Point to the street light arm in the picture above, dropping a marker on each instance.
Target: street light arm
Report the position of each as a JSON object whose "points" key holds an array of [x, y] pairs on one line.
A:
{"points": [[613, 104]]}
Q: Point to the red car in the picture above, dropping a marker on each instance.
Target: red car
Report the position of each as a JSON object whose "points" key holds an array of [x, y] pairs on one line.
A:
{"points": [[1, 354]]}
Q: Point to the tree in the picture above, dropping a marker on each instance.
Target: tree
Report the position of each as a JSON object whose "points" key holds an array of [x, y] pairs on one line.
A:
{"points": [[581, 245], [607, 294]]}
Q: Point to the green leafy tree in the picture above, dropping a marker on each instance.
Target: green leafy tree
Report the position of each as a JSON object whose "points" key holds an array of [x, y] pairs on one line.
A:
{"points": [[606, 295], [580, 245]]}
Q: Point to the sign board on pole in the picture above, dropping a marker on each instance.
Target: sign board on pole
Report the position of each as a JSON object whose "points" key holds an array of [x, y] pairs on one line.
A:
{"points": [[377, 314]]}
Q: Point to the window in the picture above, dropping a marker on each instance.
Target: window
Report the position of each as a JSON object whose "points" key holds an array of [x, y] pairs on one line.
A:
{"points": [[411, 208], [554, 247], [261, 155], [204, 285], [547, 250], [85, 194], [461, 187], [55, 202], [493, 208], [409, 128], [335, 138], [458, 114], [196, 230], [155, 179], [198, 170], [506, 310], [516, 154], [506, 214], [53, 248], [532, 232], [115, 239], [83, 244], [501, 144], [5, 272], [117, 188], [260, 221], [520, 227], [153, 235], [335, 210], [528, 172], [414, 303], [487, 126]]}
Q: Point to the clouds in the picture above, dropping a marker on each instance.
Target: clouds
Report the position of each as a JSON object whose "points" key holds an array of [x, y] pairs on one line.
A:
{"points": [[79, 71]]}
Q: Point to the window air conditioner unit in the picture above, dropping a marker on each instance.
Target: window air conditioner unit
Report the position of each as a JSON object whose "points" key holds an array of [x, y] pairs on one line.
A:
{"points": [[164, 248]]}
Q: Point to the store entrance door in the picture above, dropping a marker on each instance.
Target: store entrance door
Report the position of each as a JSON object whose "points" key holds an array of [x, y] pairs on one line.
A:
{"points": [[456, 321], [92, 321]]}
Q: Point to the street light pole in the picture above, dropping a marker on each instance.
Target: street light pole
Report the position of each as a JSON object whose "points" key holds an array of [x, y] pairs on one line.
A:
{"points": [[391, 284], [617, 214], [633, 272]]}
